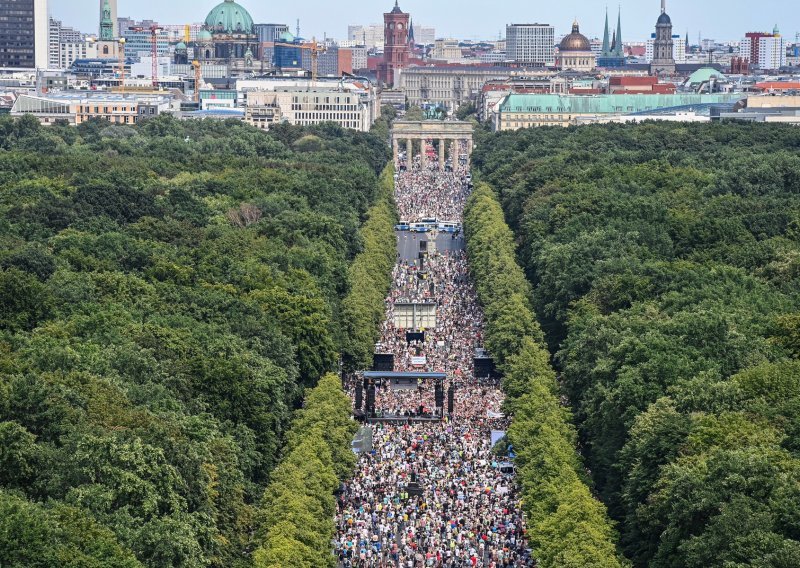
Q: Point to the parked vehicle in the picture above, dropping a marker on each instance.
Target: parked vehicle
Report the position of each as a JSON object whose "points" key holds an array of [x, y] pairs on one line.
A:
{"points": [[449, 227]]}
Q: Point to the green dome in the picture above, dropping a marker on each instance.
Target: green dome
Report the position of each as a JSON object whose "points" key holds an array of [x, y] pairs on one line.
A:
{"points": [[203, 35], [229, 17], [704, 75], [180, 46]]}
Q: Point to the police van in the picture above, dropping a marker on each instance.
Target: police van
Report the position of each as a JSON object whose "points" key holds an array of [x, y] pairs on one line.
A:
{"points": [[449, 227]]}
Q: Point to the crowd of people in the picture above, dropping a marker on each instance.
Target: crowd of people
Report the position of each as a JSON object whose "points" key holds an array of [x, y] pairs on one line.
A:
{"points": [[433, 493], [446, 186]]}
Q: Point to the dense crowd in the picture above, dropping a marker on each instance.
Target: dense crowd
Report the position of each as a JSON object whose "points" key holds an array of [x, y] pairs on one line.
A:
{"points": [[433, 493], [444, 196]]}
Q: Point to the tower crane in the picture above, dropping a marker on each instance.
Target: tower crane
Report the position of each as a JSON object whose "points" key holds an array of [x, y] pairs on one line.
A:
{"points": [[122, 63], [315, 51], [154, 31], [197, 78]]}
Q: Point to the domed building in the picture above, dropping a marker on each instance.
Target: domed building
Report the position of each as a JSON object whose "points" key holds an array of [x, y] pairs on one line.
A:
{"points": [[575, 52], [229, 37]]}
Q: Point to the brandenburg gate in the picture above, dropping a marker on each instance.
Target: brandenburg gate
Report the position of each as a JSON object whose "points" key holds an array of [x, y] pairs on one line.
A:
{"points": [[454, 132]]}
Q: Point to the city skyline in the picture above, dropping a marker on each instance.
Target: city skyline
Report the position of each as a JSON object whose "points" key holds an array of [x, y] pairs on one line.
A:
{"points": [[715, 19]]}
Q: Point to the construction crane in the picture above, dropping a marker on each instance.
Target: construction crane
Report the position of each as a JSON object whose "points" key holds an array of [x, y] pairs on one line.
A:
{"points": [[122, 64], [197, 78], [315, 51], [154, 31]]}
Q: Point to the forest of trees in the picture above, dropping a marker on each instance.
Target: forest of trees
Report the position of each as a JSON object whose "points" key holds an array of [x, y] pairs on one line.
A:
{"points": [[167, 293], [665, 265], [567, 526]]}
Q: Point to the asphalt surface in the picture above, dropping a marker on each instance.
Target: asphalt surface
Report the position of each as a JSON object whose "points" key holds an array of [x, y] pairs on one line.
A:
{"points": [[408, 243]]}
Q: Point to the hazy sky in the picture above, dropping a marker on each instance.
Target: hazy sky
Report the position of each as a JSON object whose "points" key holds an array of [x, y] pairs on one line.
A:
{"points": [[717, 19]]}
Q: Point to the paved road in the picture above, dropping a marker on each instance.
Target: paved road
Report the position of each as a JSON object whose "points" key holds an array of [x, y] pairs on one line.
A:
{"points": [[408, 243]]}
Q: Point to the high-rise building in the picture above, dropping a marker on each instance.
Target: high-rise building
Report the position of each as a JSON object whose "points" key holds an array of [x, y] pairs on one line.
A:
{"points": [[531, 44], [764, 50], [424, 35], [138, 43], [663, 45], [370, 36], [58, 36], [396, 50], [270, 32], [53, 42], [24, 34]]}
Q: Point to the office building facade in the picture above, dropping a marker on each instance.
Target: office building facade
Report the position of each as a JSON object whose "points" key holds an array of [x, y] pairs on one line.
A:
{"points": [[447, 86], [24, 34], [531, 44], [270, 33]]}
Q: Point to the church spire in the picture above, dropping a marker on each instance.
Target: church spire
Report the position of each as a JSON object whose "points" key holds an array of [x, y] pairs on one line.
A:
{"points": [[620, 51], [106, 23], [606, 39]]}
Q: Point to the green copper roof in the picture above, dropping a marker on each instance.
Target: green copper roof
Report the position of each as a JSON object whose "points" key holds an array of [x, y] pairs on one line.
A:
{"points": [[229, 17], [703, 75], [606, 104]]}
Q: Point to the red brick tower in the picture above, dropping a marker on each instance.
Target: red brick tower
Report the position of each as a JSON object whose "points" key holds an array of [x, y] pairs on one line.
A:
{"points": [[395, 50]]}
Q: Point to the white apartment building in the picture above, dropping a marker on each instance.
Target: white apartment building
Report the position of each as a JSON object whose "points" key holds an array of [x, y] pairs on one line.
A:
{"points": [[772, 52], [532, 44], [493, 57], [307, 106], [53, 40], [371, 36], [359, 57], [678, 49], [424, 35], [769, 54], [68, 52]]}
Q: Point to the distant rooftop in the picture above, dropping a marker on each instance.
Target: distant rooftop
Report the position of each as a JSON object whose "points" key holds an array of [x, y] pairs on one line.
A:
{"points": [[609, 104]]}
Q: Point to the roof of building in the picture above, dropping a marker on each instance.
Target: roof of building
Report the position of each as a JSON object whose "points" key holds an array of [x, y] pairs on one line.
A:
{"points": [[216, 113], [203, 35], [664, 19], [607, 104], [229, 17], [396, 9], [704, 75], [779, 85], [575, 41]]}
